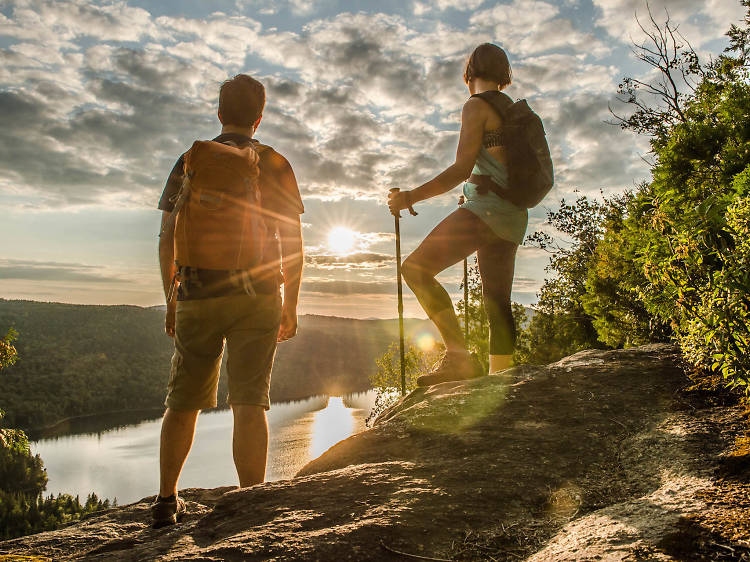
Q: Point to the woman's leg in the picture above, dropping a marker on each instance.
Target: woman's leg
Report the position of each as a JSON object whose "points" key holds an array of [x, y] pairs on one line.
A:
{"points": [[451, 241], [496, 266]]}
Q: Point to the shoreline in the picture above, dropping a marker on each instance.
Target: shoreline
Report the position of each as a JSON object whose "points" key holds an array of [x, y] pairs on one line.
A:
{"points": [[58, 429], [34, 433]]}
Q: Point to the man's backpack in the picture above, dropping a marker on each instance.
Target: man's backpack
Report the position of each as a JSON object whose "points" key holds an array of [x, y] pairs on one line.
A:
{"points": [[219, 224], [529, 163]]}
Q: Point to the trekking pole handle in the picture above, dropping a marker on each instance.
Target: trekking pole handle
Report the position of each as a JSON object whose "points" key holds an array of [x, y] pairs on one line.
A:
{"points": [[410, 207]]}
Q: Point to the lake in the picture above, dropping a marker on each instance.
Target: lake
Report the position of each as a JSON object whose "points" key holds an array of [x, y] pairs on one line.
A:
{"points": [[123, 462]]}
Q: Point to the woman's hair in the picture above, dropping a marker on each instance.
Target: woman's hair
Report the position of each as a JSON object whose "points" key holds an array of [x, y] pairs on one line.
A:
{"points": [[490, 62]]}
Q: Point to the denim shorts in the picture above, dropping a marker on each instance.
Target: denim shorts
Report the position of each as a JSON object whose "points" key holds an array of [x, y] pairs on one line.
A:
{"points": [[249, 325]]}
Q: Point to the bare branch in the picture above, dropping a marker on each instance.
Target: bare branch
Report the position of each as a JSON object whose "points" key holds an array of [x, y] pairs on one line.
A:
{"points": [[664, 49]]}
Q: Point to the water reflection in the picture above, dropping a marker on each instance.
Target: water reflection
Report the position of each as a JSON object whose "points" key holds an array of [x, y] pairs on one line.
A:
{"points": [[330, 426], [122, 462]]}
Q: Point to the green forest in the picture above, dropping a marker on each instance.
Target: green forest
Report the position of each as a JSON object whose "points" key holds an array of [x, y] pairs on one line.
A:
{"points": [[76, 360], [669, 260], [23, 479]]}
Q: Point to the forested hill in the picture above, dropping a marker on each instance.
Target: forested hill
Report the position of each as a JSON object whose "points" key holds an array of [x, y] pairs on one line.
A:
{"points": [[81, 359]]}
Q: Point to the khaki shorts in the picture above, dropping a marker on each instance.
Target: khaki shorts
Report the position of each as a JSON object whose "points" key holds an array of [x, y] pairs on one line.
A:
{"points": [[250, 327]]}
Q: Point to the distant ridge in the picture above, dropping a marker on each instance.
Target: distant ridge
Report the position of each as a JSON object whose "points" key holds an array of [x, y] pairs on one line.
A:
{"points": [[94, 359]]}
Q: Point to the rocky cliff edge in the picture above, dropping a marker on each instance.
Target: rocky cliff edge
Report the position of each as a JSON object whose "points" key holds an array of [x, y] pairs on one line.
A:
{"points": [[598, 456]]}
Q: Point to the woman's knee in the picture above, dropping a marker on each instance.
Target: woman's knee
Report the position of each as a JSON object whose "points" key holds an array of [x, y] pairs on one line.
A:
{"points": [[413, 272], [409, 271]]}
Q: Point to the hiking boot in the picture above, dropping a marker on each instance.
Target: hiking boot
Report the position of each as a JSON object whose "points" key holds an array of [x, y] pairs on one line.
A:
{"points": [[453, 366], [167, 511]]}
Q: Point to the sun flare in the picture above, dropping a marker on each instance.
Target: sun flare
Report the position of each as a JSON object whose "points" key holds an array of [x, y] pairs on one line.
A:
{"points": [[342, 240], [426, 342]]}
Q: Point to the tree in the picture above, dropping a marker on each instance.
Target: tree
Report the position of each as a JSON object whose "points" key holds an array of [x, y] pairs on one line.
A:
{"points": [[560, 325], [615, 290], [10, 439], [660, 104], [691, 223], [8, 353], [23, 479], [386, 380], [478, 338]]}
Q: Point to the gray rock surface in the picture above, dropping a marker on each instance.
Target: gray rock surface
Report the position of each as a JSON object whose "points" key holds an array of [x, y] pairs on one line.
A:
{"points": [[594, 457]]}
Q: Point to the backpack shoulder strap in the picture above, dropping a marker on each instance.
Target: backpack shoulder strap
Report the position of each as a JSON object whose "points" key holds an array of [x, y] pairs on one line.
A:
{"points": [[260, 148], [499, 101]]}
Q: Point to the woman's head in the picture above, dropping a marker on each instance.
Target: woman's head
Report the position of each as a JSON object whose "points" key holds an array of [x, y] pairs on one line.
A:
{"points": [[488, 62]]}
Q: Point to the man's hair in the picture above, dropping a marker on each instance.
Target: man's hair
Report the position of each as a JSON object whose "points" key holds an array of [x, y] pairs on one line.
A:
{"points": [[490, 62], [241, 101]]}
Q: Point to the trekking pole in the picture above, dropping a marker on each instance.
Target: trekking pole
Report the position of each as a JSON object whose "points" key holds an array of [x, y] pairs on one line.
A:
{"points": [[397, 217], [466, 288]]}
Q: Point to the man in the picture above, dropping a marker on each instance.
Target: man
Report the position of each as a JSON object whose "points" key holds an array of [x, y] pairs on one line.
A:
{"points": [[213, 306]]}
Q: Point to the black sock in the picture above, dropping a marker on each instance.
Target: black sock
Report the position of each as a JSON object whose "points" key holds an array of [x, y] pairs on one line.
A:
{"points": [[167, 499]]}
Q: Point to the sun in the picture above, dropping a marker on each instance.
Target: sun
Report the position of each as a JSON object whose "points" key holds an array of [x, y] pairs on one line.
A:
{"points": [[342, 240]]}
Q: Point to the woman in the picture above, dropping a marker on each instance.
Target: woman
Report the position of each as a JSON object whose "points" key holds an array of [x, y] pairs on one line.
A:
{"points": [[485, 223]]}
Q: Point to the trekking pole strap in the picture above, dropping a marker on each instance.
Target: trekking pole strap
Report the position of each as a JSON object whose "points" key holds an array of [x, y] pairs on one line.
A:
{"points": [[409, 204]]}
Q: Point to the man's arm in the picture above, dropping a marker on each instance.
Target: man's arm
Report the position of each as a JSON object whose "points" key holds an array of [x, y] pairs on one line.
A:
{"points": [[167, 266], [286, 208], [290, 235]]}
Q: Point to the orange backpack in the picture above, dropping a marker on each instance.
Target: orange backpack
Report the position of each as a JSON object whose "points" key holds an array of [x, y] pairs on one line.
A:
{"points": [[219, 224]]}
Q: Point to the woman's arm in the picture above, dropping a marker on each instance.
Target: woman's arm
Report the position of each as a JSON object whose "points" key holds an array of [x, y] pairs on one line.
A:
{"points": [[469, 142]]}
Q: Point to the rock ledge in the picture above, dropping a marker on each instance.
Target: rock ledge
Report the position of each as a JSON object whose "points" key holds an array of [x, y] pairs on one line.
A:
{"points": [[596, 456]]}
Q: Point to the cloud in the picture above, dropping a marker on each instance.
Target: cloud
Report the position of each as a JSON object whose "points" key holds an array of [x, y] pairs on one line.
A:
{"points": [[296, 7], [52, 271], [339, 287], [530, 27], [526, 284], [367, 239], [531, 252], [601, 155], [229, 36], [700, 21], [563, 72], [358, 260], [421, 8], [62, 22], [115, 142], [357, 102]]}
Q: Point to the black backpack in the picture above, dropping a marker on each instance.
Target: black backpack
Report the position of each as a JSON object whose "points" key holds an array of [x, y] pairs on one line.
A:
{"points": [[529, 163]]}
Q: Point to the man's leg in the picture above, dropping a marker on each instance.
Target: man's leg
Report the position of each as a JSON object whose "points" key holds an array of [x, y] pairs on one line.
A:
{"points": [[251, 346], [193, 378], [250, 443], [177, 430]]}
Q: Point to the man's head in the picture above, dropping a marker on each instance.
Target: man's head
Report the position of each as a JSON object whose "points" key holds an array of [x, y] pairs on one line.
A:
{"points": [[241, 101]]}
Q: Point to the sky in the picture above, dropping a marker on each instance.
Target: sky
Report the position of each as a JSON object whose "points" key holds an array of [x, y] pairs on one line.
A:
{"points": [[98, 99]]}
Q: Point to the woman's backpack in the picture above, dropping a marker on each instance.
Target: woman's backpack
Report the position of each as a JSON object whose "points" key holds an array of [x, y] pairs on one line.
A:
{"points": [[529, 163]]}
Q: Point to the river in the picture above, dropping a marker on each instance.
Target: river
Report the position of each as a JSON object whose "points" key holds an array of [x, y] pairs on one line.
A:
{"points": [[123, 462]]}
